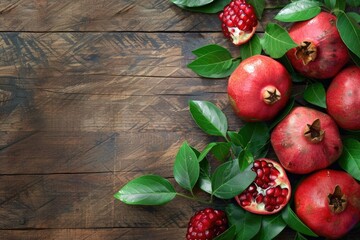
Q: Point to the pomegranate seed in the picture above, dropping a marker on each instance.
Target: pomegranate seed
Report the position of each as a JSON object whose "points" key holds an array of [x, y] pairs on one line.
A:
{"points": [[280, 200], [245, 203], [260, 173], [277, 192], [252, 188], [270, 191], [267, 200], [259, 198], [269, 208], [263, 163], [257, 164], [266, 170], [284, 192]]}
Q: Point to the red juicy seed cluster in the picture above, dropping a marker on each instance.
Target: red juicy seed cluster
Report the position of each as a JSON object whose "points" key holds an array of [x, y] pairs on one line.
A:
{"points": [[207, 224], [238, 14], [274, 195]]}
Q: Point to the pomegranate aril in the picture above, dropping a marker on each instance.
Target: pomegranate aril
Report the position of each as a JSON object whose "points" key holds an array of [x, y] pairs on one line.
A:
{"points": [[280, 200], [259, 198], [284, 192], [269, 208], [245, 203], [257, 164], [266, 170], [270, 192], [263, 163], [277, 192], [259, 173]]}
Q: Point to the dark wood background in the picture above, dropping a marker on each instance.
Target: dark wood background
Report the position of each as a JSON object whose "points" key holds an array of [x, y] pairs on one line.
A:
{"points": [[94, 93]]}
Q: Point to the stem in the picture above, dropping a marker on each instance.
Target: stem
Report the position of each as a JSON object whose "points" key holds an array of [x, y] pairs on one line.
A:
{"points": [[193, 198]]}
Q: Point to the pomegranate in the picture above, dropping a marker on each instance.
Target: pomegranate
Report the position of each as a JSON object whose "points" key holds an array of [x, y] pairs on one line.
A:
{"points": [[320, 52], [238, 21], [328, 202], [343, 98], [306, 140], [270, 191], [259, 88]]}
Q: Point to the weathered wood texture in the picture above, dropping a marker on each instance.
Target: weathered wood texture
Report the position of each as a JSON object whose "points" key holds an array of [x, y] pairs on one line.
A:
{"points": [[107, 15], [94, 93]]}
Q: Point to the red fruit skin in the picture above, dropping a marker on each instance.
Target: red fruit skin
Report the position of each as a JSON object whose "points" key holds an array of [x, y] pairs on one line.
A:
{"points": [[246, 84], [295, 152], [332, 53], [312, 204], [343, 98]]}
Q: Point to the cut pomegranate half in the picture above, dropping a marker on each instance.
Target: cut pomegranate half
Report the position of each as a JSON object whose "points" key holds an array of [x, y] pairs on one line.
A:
{"points": [[270, 191]]}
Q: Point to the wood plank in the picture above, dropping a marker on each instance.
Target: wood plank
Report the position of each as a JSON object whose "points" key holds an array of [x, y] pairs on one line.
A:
{"points": [[107, 234], [81, 201], [106, 15], [95, 234], [34, 57]]}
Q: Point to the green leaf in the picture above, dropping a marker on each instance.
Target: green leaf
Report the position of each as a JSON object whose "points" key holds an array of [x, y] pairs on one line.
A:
{"points": [[186, 167], [146, 190], [217, 63], [315, 94], [228, 234], [227, 180], [298, 236], [211, 48], [206, 150], [245, 159], [221, 150], [349, 32], [353, 3], [294, 222], [213, 7], [271, 227], [335, 4], [350, 157], [276, 41], [299, 11], [354, 15], [235, 138], [251, 48], [254, 137], [259, 6], [247, 224], [289, 106], [205, 177], [209, 118], [284, 60], [355, 59], [191, 3]]}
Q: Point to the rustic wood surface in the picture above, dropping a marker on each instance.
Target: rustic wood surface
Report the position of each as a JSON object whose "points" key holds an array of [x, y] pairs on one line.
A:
{"points": [[94, 93]]}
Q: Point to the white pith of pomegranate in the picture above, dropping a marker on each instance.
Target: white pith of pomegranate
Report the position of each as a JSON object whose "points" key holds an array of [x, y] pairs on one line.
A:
{"points": [[270, 191]]}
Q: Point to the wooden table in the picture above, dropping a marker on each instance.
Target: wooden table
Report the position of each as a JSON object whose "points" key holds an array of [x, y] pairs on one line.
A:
{"points": [[93, 94]]}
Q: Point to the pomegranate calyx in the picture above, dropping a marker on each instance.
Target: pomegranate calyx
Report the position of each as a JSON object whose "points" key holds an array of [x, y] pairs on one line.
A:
{"points": [[306, 51], [337, 200], [271, 95], [313, 132]]}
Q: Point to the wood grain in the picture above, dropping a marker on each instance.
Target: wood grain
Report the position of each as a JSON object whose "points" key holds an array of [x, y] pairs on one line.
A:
{"points": [[107, 15]]}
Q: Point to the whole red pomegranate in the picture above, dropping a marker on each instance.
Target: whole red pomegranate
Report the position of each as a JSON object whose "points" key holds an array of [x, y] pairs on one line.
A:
{"points": [[259, 88], [270, 191], [328, 202], [306, 140], [343, 98], [320, 53]]}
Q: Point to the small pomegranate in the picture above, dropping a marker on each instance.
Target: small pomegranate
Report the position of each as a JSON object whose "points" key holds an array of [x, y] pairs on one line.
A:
{"points": [[238, 21], [206, 224], [270, 191], [328, 202], [259, 88], [306, 140], [343, 98], [320, 53]]}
